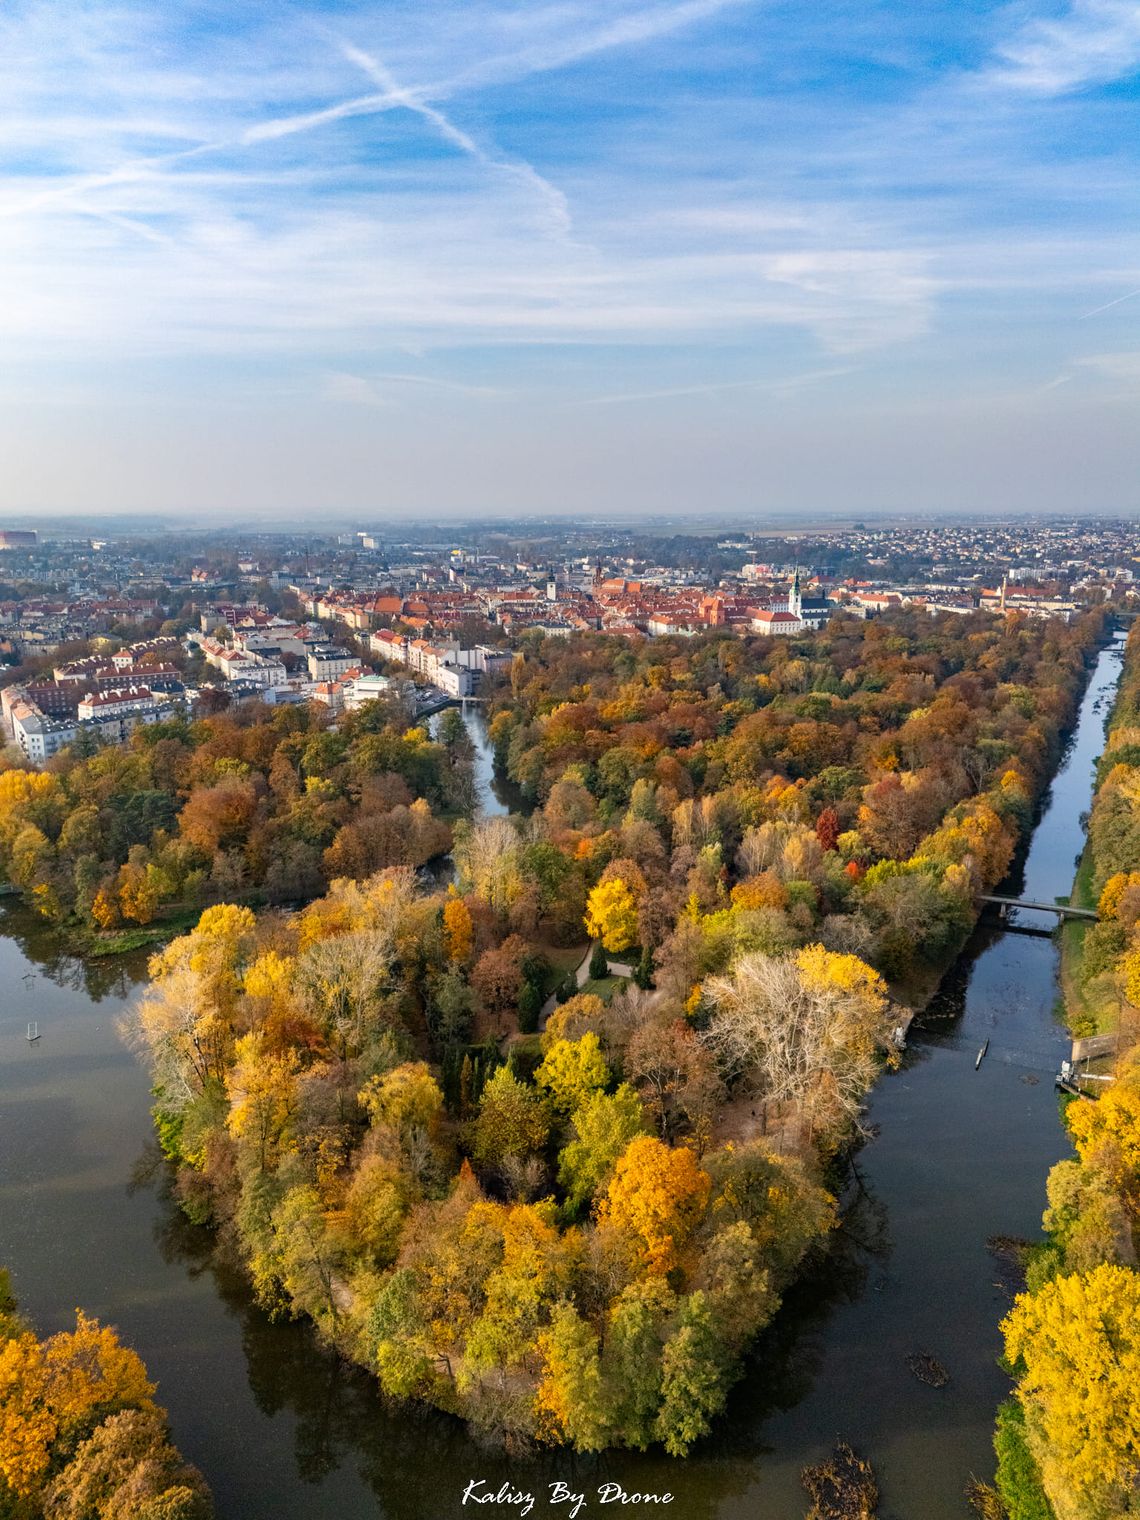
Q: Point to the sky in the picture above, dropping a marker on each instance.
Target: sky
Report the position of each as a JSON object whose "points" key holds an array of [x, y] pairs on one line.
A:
{"points": [[366, 260]]}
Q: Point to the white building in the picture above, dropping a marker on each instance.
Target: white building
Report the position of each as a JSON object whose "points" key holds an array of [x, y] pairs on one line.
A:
{"points": [[328, 662]]}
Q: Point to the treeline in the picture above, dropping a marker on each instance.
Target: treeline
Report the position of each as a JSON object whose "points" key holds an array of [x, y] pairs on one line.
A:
{"points": [[255, 801], [81, 1437], [1068, 1442]]}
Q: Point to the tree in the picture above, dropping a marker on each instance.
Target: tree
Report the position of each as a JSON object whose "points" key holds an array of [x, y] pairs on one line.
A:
{"points": [[1076, 1342], [573, 1071], [827, 828], [611, 915], [603, 1127], [497, 976], [458, 930], [263, 1096], [128, 1470], [643, 974], [657, 1197], [635, 1337], [513, 1120], [599, 967], [569, 1402], [305, 1256], [1107, 1135], [487, 857], [530, 1006], [405, 1099], [50, 1391], [695, 1369], [675, 1075], [804, 1029]]}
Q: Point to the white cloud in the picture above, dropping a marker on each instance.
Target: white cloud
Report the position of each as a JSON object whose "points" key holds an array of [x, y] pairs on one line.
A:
{"points": [[1094, 42]]}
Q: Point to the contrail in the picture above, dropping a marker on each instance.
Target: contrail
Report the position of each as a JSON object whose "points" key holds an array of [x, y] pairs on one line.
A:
{"points": [[1096, 311]]}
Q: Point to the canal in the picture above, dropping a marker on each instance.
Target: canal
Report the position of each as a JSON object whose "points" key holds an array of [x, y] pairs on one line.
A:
{"points": [[283, 1431]]}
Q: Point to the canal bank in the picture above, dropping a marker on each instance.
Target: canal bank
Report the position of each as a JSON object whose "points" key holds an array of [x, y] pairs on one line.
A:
{"points": [[284, 1431]]}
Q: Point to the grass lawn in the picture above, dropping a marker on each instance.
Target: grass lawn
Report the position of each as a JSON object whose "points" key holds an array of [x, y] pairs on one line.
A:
{"points": [[605, 986], [562, 958]]}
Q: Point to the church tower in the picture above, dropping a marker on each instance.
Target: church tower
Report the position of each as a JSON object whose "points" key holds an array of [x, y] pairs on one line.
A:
{"points": [[795, 599]]}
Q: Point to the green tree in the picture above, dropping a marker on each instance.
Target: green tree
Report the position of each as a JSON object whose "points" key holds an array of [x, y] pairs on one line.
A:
{"points": [[513, 1120], [634, 1340], [695, 1370], [603, 1127], [569, 1398]]}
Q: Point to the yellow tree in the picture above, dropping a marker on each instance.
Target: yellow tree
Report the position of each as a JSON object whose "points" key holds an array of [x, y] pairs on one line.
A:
{"points": [[139, 893], [458, 930], [657, 1197], [611, 915], [406, 1098], [262, 1088], [1077, 1343], [1107, 1136], [569, 1402], [572, 1071], [49, 1391]]}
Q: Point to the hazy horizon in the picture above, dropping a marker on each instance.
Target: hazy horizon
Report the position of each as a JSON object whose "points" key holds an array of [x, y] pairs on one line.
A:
{"points": [[599, 258]]}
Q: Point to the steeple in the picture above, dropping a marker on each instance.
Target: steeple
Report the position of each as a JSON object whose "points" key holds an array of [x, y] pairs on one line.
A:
{"points": [[795, 600]]}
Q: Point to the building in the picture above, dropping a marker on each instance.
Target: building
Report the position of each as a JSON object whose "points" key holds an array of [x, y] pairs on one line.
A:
{"points": [[39, 736], [449, 667], [359, 690], [777, 624], [17, 538], [328, 662]]}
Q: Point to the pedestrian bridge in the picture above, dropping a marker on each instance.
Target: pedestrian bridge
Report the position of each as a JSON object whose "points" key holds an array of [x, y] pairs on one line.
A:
{"points": [[1062, 910]]}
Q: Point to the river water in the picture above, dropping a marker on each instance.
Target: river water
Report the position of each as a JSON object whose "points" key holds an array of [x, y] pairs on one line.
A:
{"points": [[283, 1431]]}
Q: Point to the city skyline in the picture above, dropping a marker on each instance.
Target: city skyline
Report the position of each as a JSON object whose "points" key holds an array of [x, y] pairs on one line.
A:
{"points": [[710, 256]]}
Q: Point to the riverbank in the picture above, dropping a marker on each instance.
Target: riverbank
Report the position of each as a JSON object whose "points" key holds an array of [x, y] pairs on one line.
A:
{"points": [[1063, 1438]]}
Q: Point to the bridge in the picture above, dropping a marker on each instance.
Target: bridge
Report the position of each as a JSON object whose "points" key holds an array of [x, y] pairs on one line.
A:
{"points": [[1062, 910]]}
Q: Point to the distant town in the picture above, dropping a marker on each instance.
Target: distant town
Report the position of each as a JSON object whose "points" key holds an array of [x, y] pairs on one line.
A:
{"points": [[100, 635]]}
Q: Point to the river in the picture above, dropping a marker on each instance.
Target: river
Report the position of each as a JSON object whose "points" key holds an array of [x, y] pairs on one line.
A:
{"points": [[283, 1431]]}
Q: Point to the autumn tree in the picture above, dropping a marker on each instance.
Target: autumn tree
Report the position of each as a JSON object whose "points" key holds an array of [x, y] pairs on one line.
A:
{"points": [[611, 915], [458, 930], [128, 1470], [805, 1029], [56, 1391], [694, 1377], [497, 976], [675, 1075], [569, 1402], [513, 1120], [604, 1124], [657, 1196], [1076, 1343], [572, 1071]]}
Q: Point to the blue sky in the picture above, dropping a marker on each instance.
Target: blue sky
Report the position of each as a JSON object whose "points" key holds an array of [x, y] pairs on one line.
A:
{"points": [[470, 256]]}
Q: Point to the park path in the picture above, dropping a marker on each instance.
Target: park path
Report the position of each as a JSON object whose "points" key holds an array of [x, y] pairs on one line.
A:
{"points": [[581, 977]]}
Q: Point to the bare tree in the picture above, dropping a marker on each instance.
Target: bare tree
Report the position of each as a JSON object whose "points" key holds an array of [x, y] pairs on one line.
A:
{"points": [[792, 1035]]}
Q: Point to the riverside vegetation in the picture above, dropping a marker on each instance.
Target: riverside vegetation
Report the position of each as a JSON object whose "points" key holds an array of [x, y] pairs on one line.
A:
{"points": [[1068, 1442], [571, 1234], [81, 1437]]}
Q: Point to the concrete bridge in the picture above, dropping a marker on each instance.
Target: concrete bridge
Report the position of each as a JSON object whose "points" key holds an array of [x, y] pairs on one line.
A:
{"points": [[1062, 910]]}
